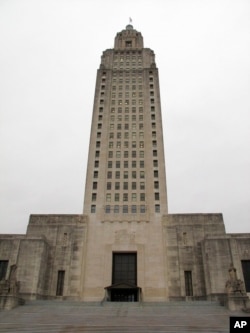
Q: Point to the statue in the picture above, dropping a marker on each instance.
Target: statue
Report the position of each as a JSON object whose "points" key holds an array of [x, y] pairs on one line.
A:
{"points": [[234, 285]]}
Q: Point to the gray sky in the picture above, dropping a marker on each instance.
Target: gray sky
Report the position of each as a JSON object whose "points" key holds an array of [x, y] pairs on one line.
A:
{"points": [[49, 53]]}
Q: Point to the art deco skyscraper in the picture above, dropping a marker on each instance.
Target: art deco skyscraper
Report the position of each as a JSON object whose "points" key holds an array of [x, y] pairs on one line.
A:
{"points": [[126, 168]]}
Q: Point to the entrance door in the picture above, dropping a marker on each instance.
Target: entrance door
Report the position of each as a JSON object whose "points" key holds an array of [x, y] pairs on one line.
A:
{"points": [[124, 295], [124, 271]]}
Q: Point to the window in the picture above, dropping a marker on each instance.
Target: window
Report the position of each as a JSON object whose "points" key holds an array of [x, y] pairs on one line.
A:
{"points": [[142, 196], [125, 154], [133, 174], [188, 283], [98, 134], [156, 185], [141, 154], [125, 209], [94, 187], [125, 164], [117, 185], [99, 126], [128, 43], [155, 163], [154, 152], [157, 196], [157, 209], [111, 135], [3, 269], [108, 197], [133, 209], [142, 209], [154, 135], [109, 174], [125, 174], [93, 196], [133, 197], [117, 196], [60, 283], [133, 153], [110, 154], [95, 174], [154, 143], [117, 164], [133, 185], [97, 153], [153, 125], [118, 154], [111, 144], [93, 208], [107, 209], [133, 164], [109, 186], [116, 209], [156, 173], [141, 164], [117, 174], [109, 164], [142, 186], [133, 135], [152, 117], [246, 273], [96, 164], [142, 174], [125, 196], [125, 185]]}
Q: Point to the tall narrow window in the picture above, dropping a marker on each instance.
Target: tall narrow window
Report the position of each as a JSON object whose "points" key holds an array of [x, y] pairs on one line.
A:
{"points": [[3, 269], [188, 283], [60, 283], [246, 273]]}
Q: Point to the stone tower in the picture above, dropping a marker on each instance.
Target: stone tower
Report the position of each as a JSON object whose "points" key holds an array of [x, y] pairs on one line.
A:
{"points": [[125, 193]]}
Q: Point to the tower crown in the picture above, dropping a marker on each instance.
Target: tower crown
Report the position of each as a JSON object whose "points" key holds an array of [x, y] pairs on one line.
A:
{"points": [[128, 39]]}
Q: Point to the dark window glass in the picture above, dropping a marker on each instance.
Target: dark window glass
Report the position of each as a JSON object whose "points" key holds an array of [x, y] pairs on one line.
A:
{"points": [[246, 273], [3, 269], [93, 208], [188, 283], [124, 268], [60, 283]]}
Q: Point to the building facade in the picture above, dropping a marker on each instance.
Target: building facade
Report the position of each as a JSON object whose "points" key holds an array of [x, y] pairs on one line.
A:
{"points": [[125, 246]]}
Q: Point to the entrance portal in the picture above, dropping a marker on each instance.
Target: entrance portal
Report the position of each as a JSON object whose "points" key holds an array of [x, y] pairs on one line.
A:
{"points": [[124, 279], [124, 295]]}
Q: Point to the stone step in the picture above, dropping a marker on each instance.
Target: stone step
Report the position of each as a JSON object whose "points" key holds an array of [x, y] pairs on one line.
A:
{"points": [[70, 317]]}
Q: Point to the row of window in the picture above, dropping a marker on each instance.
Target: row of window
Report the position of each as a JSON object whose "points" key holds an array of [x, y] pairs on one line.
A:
{"points": [[125, 209], [126, 135], [133, 164], [118, 154], [132, 94], [126, 185], [133, 174], [125, 144]]}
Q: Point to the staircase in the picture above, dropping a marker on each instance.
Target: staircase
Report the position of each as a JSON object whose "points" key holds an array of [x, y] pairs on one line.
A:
{"points": [[77, 317]]}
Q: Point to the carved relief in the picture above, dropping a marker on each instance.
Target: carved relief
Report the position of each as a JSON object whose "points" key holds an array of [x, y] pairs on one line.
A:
{"points": [[124, 237]]}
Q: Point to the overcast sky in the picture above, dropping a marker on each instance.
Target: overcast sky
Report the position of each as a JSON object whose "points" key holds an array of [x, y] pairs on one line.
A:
{"points": [[49, 53]]}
